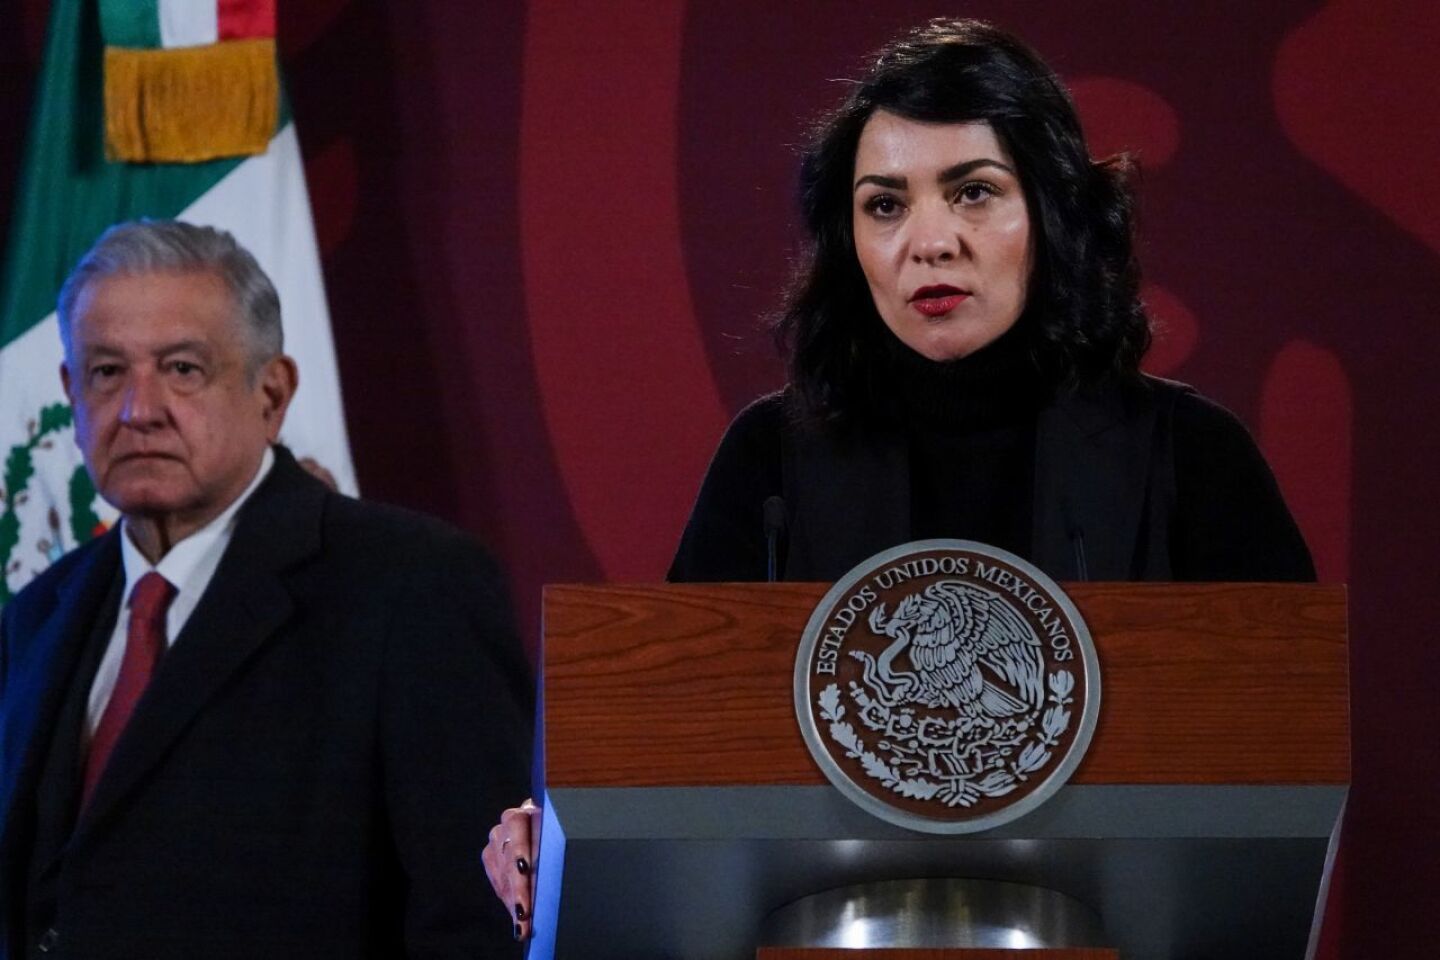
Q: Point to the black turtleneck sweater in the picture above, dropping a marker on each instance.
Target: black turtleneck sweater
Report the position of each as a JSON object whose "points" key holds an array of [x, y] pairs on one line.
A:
{"points": [[969, 426]]}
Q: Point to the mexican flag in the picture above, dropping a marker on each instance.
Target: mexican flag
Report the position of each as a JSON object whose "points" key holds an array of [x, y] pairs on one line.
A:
{"points": [[147, 108]]}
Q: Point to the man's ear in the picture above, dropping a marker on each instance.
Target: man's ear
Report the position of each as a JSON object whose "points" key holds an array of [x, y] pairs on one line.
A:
{"points": [[65, 381], [278, 380]]}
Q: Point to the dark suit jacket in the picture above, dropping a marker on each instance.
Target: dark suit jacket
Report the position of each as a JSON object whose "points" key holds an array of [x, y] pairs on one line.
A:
{"points": [[313, 768]]}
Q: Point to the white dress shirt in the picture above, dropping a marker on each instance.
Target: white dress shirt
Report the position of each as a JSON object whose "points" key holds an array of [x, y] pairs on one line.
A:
{"points": [[189, 566]]}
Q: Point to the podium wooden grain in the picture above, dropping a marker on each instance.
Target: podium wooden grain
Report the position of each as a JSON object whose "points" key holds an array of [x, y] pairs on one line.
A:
{"points": [[1202, 684]]}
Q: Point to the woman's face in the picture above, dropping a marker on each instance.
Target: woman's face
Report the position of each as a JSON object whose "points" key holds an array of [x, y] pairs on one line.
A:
{"points": [[941, 231]]}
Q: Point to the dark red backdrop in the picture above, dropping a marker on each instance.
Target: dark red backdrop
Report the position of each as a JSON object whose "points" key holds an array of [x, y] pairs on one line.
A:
{"points": [[550, 228]]}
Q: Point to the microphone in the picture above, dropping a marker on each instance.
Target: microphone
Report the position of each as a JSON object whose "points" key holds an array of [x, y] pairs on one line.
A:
{"points": [[1076, 535], [774, 513]]}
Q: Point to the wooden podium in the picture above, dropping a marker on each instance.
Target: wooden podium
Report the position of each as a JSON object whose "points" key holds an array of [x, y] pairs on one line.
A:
{"points": [[682, 807]]}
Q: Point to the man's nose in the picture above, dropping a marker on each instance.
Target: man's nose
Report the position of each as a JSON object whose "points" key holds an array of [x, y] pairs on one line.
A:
{"points": [[144, 401]]}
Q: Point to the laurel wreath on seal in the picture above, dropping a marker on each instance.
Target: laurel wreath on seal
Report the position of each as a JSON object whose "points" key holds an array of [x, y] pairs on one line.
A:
{"points": [[19, 468], [969, 773]]}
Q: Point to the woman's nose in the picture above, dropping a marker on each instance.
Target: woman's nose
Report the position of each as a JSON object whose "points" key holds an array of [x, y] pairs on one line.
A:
{"points": [[933, 239]]}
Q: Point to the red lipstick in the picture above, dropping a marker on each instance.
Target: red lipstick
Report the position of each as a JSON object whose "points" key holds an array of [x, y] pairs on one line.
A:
{"points": [[938, 300]]}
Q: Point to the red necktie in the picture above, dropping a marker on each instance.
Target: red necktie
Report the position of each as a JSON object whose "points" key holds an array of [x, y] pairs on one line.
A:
{"points": [[144, 642]]}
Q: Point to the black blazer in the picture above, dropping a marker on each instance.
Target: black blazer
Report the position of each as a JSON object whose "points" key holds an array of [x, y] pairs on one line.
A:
{"points": [[1106, 500], [311, 772]]}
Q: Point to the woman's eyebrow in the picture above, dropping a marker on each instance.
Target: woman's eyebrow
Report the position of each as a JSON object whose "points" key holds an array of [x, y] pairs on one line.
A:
{"points": [[970, 166], [879, 179], [955, 172]]}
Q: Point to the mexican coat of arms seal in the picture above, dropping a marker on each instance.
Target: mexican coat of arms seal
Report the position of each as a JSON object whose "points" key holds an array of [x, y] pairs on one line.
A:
{"points": [[947, 686]]}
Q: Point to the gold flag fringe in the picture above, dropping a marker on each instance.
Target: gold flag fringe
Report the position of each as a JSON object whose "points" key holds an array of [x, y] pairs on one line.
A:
{"points": [[189, 104]]}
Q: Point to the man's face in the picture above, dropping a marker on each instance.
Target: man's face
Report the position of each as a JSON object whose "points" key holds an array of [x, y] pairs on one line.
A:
{"points": [[170, 422]]}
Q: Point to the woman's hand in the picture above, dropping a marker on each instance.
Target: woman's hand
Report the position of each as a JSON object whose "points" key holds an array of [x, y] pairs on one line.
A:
{"points": [[509, 860]]}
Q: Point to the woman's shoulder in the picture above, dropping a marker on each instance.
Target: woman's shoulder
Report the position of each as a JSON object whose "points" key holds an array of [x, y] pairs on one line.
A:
{"points": [[1203, 430], [1188, 410], [1199, 418], [766, 415], [1231, 521], [723, 539], [756, 435]]}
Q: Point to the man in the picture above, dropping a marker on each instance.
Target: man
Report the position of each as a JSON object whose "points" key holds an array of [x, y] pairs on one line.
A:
{"points": [[256, 719]]}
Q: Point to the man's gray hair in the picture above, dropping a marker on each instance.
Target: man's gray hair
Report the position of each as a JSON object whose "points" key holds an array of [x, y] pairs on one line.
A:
{"points": [[165, 246]]}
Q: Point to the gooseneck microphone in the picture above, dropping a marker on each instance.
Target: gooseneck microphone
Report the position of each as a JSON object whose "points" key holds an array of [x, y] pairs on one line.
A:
{"points": [[774, 514], [1076, 535]]}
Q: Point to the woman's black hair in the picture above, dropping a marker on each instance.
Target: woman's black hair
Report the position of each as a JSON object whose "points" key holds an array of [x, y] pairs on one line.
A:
{"points": [[1083, 320]]}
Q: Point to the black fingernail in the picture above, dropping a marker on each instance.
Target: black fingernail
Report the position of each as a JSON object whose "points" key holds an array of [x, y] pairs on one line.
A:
{"points": [[519, 911], [517, 932], [522, 865]]}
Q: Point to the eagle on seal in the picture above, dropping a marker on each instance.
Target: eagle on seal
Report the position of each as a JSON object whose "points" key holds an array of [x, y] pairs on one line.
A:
{"points": [[953, 633]]}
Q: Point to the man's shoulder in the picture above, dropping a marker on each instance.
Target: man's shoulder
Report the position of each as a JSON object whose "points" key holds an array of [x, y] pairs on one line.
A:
{"points": [[334, 549], [382, 523], [42, 592], [375, 562], [387, 541], [348, 531]]}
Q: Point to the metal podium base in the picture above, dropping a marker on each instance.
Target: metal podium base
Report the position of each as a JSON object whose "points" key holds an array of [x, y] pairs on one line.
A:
{"points": [[935, 913], [1176, 871]]}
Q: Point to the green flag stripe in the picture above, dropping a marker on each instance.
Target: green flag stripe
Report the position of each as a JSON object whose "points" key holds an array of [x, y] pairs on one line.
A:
{"points": [[69, 193], [130, 23]]}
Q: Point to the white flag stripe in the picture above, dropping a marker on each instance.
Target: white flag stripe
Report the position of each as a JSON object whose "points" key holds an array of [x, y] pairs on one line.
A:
{"points": [[189, 23], [31, 382], [265, 204]]}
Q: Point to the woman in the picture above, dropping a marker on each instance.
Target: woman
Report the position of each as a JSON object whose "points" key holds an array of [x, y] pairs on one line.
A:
{"points": [[964, 349], [964, 343]]}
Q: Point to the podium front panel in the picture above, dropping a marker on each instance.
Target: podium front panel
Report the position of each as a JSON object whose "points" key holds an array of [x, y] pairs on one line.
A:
{"points": [[682, 806]]}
